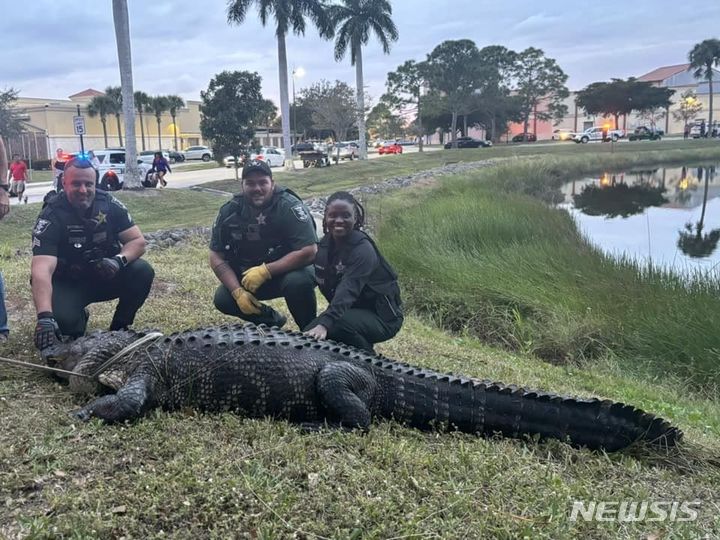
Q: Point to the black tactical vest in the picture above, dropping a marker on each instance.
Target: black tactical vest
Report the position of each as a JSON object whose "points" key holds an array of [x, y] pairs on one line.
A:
{"points": [[381, 294], [84, 240]]}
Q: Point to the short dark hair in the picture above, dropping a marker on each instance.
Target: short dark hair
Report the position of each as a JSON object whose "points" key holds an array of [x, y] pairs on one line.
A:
{"points": [[79, 162], [347, 197]]}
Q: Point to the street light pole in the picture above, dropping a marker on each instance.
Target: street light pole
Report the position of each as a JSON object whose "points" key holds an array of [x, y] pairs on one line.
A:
{"points": [[299, 72]]}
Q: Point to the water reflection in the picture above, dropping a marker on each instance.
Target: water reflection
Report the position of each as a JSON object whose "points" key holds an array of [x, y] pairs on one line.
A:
{"points": [[613, 197], [670, 216], [692, 241]]}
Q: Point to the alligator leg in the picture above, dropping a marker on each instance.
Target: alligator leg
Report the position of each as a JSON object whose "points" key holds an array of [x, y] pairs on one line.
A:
{"points": [[128, 403], [346, 391]]}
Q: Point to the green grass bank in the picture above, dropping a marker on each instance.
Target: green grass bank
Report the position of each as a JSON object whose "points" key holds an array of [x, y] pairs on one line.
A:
{"points": [[484, 254]]}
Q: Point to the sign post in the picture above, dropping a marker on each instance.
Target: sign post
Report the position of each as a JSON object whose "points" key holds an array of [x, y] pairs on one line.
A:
{"points": [[79, 126]]}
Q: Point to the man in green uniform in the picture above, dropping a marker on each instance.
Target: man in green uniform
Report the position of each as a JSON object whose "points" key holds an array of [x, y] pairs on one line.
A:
{"points": [[86, 249], [262, 247]]}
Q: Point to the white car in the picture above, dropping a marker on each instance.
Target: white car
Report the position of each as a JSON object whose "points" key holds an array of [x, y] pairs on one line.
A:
{"points": [[147, 156], [112, 168], [275, 157], [198, 152], [599, 134]]}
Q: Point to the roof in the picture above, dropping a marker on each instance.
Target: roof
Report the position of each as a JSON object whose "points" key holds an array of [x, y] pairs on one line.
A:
{"points": [[662, 73], [90, 92]]}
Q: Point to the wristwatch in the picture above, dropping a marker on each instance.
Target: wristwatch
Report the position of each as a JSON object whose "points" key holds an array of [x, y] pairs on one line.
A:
{"points": [[122, 259]]}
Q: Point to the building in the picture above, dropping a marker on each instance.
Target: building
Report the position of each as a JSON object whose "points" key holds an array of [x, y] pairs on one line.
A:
{"points": [[49, 126], [676, 77]]}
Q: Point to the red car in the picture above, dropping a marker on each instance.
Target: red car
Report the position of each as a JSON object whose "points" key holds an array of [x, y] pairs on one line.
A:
{"points": [[390, 148]]}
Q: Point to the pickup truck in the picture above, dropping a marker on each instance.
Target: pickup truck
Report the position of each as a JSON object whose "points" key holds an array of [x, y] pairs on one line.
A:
{"points": [[596, 134]]}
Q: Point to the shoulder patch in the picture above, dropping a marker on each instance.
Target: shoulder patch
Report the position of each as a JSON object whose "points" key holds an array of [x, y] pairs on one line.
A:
{"points": [[300, 212], [41, 226]]}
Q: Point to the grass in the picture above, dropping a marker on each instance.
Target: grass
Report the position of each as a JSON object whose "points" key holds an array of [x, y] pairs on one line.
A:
{"points": [[325, 180], [187, 475], [481, 255]]}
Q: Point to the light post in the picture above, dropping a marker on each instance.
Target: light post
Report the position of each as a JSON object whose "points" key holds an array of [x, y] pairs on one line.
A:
{"points": [[300, 73]]}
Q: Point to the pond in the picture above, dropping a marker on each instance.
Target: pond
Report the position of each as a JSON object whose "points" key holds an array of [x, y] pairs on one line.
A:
{"points": [[667, 216]]}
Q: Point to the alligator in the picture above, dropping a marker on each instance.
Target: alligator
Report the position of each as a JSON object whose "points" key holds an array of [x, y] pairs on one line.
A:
{"points": [[260, 372]]}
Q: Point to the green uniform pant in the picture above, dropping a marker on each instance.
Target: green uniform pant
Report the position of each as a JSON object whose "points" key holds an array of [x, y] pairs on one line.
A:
{"points": [[131, 286], [297, 287], [361, 328]]}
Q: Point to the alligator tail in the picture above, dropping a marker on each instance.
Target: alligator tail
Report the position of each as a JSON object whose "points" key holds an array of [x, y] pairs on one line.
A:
{"points": [[426, 399]]}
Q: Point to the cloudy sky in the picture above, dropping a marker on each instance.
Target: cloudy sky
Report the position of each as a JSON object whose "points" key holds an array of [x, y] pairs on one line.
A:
{"points": [[54, 48]]}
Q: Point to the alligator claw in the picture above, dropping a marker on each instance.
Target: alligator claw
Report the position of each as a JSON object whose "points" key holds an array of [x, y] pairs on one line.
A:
{"points": [[82, 414]]}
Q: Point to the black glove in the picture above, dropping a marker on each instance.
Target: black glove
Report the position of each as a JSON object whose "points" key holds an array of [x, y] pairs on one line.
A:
{"points": [[47, 331], [107, 268]]}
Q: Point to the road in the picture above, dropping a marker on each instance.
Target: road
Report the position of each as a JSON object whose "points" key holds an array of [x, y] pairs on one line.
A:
{"points": [[181, 179]]}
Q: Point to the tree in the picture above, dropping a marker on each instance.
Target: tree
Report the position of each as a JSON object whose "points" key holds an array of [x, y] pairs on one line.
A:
{"points": [[354, 20], [267, 116], [690, 106], [384, 123], [101, 106], [332, 106], [619, 98], [174, 103], [288, 15], [230, 110], [158, 105], [141, 101], [10, 123], [703, 56], [454, 75], [115, 101], [538, 78], [404, 87], [132, 178]]}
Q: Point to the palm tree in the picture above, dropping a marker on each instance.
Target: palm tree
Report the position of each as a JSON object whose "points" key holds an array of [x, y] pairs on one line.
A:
{"points": [[132, 176], [141, 101], [101, 106], [158, 105], [693, 242], [288, 15], [703, 57], [354, 20], [174, 103], [114, 95]]}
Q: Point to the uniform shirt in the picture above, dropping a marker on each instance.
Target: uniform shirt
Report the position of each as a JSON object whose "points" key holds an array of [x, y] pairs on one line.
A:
{"points": [[18, 171], [355, 275], [73, 237], [249, 236]]}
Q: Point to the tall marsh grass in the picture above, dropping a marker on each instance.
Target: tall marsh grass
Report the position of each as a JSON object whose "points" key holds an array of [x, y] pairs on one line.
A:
{"points": [[484, 254]]}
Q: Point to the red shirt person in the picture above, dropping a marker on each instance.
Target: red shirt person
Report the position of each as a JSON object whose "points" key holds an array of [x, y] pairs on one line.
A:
{"points": [[18, 176]]}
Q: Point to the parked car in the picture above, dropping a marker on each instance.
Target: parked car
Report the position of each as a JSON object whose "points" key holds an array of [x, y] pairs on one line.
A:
{"points": [[563, 135], [147, 156], [390, 148], [111, 168], [644, 133], [520, 137], [345, 150], [599, 134], [469, 142], [275, 157], [198, 152], [175, 156]]}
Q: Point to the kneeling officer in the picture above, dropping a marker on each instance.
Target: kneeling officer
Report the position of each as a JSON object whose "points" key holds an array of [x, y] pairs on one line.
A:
{"points": [[86, 249], [262, 247]]}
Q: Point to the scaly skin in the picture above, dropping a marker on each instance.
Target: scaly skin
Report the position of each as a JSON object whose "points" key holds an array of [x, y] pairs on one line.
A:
{"points": [[260, 371]]}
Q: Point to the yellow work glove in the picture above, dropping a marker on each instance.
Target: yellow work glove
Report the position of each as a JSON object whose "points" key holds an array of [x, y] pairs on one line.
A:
{"points": [[254, 277], [247, 303]]}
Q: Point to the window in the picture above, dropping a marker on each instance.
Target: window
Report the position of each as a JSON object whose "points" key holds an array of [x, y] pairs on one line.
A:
{"points": [[117, 159]]}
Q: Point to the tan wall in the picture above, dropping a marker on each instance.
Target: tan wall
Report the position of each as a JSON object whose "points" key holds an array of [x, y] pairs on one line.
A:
{"points": [[56, 118]]}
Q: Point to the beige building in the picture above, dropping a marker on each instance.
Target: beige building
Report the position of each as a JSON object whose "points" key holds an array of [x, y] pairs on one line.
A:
{"points": [[49, 125]]}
